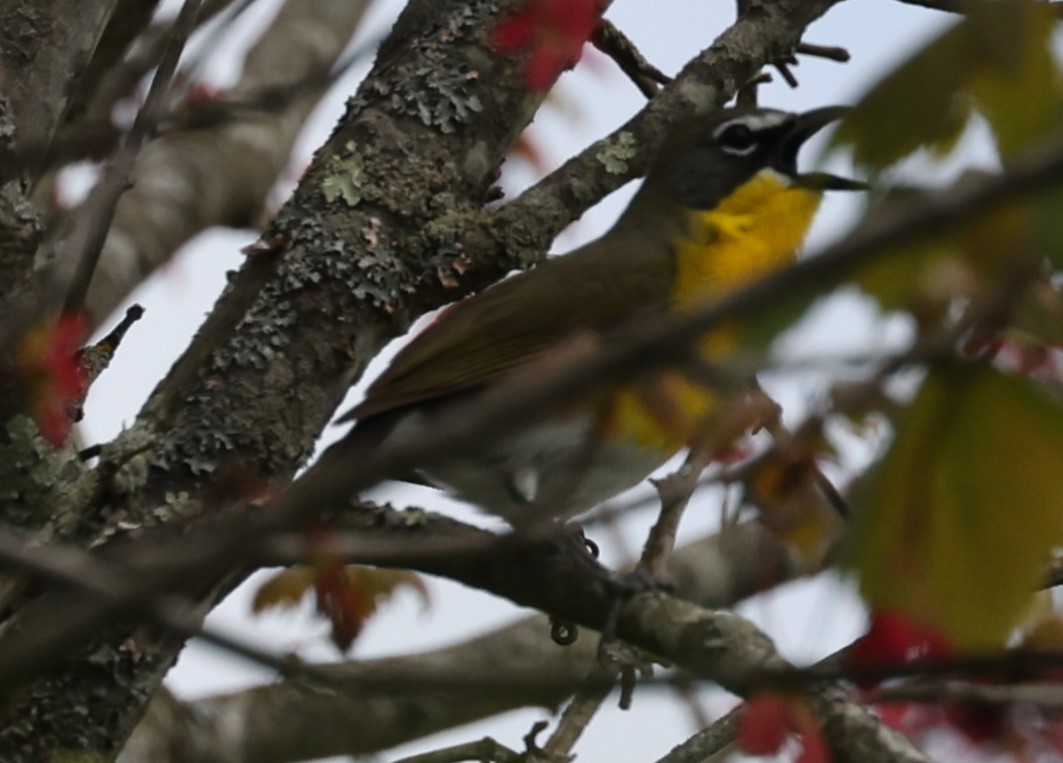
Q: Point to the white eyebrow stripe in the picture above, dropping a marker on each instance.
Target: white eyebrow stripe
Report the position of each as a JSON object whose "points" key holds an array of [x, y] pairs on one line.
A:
{"points": [[757, 121]]}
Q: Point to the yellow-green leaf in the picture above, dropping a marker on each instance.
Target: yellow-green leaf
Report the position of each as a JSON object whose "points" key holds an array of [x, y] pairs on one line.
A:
{"points": [[921, 103], [956, 523], [283, 589], [997, 59], [927, 275], [1015, 80], [1046, 214], [1037, 318]]}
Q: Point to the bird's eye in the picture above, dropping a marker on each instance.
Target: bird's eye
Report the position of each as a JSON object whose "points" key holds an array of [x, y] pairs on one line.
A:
{"points": [[737, 139]]}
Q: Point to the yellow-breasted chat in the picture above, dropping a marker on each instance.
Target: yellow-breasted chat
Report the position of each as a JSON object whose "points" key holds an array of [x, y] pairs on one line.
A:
{"points": [[722, 204]]}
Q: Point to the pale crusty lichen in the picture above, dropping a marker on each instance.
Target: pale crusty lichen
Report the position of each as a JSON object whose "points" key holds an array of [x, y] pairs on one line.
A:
{"points": [[615, 157]]}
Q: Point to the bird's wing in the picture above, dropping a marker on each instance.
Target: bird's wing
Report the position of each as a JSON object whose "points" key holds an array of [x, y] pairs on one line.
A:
{"points": [[481, 339]]}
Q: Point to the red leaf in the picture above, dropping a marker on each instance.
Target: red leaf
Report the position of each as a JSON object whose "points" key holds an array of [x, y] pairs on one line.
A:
{"points": [[513, 33], [544, 67], [553, 31], [284, 589], [767, 721], [349, 595], [765, 724], [346, 605], [52, 372], [979, 723], [910, 718], [813, 746], [892, 639], [814, 749]]}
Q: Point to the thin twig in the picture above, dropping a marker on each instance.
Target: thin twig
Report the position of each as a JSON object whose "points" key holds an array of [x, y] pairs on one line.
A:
{"points": [[580, 710], [1005, 664], [687, 693], [782, 65], [615, 44], [746, 97], [95, 358], [675, 491], [1046, 696], [515, 402], [212, 40], [94, 218], [120, 81], [486, 749], [708, 742], [96, 135], [75, 569], [950, 6], [829, 52]]}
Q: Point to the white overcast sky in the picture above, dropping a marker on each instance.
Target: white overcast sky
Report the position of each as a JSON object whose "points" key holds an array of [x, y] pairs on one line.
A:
{"points": [[808, 620]]}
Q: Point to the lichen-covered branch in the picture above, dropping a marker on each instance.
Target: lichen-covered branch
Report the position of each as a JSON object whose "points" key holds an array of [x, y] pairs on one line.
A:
{"points": [[516, 666], [376, 234], [376, 705], [425, 133], [45, 48]]}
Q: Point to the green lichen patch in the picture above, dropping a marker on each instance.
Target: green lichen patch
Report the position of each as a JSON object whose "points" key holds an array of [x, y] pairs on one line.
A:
{"points": [[344, 178]]}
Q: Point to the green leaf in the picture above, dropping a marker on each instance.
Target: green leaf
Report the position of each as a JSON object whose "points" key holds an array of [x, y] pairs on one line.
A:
{"points": [[997, 59], [927, 275], [957, 521], [921, 103], [1014, 79], [1047, 225]]}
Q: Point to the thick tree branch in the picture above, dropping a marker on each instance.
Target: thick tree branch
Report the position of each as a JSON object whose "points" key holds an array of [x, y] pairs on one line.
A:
{"points": [[361, 715], [516, 666], [47, 46], [426, 132], [369, 241], [657, 344]]}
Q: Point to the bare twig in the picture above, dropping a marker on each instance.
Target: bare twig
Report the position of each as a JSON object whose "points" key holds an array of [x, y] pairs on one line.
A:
{"points": [[486, 750], [675, 491], [782, 65], [829, 52], [580, 711], [517, 401], [96, 135], [615, 44], [95, 358], [951, 6], [710, 741], [1004, 664], [686, 691], [94, 218], [75, 569], [1045, 695], [121, 79]]}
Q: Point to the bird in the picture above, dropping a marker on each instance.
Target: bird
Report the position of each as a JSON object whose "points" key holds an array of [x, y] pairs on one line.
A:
{"points": [[722, 204]]}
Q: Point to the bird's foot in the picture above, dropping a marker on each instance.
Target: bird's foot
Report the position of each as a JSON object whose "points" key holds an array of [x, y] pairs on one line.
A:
{"points": [[618, 588]]}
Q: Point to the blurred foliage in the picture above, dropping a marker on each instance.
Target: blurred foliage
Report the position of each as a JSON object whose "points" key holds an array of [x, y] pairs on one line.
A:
{"points": [[996, 60], [956, 523], [345, 595]]}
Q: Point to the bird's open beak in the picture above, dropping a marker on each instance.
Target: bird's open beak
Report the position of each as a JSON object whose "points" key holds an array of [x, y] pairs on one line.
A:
{"points": [[804, 127]]}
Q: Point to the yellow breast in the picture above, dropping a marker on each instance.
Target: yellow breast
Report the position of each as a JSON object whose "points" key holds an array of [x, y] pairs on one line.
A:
{"points": [[757, 229]]}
